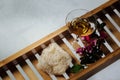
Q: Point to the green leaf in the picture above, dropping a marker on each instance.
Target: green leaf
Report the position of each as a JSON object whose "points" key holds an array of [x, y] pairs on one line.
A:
{"points": [[76, 68]]}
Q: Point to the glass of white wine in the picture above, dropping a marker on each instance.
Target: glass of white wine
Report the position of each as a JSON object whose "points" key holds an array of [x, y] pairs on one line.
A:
{"points": [[80, 22]]}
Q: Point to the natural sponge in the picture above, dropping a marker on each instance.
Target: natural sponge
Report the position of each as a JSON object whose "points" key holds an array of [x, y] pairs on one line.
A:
{"points": [[54, 60]]}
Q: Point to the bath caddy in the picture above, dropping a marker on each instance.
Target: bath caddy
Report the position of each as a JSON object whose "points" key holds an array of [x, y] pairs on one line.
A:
{"points": [[23, 64]]}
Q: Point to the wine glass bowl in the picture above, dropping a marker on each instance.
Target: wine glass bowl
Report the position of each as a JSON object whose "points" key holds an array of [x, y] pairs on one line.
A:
{"points": [[80, 24]]}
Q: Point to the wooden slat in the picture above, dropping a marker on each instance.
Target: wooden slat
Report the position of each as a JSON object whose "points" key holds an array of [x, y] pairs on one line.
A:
{"points": [[100, 8], [18, 75], [29, 72], [34, 60]]}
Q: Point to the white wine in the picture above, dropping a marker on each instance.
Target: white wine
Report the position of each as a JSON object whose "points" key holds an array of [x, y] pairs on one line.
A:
{"points": [[81, 26]]}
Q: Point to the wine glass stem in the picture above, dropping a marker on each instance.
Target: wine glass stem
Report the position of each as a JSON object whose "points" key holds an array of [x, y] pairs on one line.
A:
{"points": [[75, 41]]}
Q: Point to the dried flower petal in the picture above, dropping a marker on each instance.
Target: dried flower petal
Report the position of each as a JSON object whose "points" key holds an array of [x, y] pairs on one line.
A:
{"points": [[80, 51], [86, 38], [103, 35]]}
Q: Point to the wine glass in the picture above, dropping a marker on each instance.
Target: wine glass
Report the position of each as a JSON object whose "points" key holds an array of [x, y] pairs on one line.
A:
{"points": [[80, 23]]}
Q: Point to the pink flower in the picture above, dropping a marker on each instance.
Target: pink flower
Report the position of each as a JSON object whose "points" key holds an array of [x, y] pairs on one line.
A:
{"points": [[86, 38], [80, 50], [103, 35]]}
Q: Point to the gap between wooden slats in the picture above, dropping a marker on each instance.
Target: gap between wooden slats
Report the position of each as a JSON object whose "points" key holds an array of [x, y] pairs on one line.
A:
{"points": [[32, 67], [9, 73], [12, 71], [27, 70], [34, 61], [111, 20], [22, 72], [15, 72], [19, 68], [4, 75], [114, 16], [116, 11], [112, 37], [110, 33]]}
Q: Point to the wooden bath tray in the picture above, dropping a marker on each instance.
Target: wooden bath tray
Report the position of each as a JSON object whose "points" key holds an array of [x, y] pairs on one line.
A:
{"points": [[22, 65]]}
